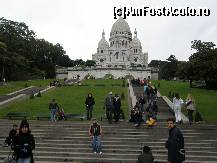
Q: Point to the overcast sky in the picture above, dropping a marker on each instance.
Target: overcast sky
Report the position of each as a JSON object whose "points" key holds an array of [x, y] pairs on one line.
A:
{"points": [[77, 24]]}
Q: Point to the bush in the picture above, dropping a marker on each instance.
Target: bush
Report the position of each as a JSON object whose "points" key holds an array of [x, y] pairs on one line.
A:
{"points": [[39, 94], [108, 76], [124, 83], [170, 94], [26, 85], [32, 96], [122, 96]]}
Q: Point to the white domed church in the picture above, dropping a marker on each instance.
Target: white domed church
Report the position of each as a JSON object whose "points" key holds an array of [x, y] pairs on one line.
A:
{"points": [[122, 56], [122, 51]]}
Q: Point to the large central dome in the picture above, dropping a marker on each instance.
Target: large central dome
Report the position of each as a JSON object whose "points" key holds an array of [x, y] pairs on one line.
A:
{"points": [[120, 26]]}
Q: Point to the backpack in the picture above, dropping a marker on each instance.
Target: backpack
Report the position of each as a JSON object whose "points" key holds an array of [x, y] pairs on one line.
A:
{"points": [[95, 130]]}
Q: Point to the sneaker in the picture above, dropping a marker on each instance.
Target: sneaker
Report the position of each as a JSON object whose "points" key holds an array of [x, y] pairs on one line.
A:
{"points": [[94, 152], [100, 153]]}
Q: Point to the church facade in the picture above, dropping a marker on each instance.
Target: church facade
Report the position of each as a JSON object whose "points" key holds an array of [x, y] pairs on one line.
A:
{"points": [[120, 57], [123, 50]]}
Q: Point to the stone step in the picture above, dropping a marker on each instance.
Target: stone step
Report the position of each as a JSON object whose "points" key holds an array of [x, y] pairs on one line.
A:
{"points": [[109, 150], [76, 156]]}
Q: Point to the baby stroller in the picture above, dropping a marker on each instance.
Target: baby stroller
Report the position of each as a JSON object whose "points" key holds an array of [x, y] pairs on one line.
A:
{"points": [[61, 114]]}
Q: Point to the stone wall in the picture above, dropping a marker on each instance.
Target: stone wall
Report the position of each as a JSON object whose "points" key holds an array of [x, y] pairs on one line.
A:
{"points": [[116, 73], [72, 73]]}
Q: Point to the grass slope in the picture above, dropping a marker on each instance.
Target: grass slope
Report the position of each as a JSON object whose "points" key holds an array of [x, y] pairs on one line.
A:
{"points": [[71, 98], [206, 100], [17, 85]]}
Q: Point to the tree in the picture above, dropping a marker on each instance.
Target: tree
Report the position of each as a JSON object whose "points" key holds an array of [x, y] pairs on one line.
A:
{"points": [[204, 63], [28, 56], [158, 64], [90, 63], [79, 62], [3, 57], [168, 71], [184, 69]]}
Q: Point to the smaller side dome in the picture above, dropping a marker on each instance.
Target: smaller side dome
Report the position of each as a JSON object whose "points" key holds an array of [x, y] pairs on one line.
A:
{"points": [[135, 41], [103, 43]]}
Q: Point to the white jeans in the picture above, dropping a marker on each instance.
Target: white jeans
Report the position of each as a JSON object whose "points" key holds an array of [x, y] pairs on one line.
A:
{"points": [[177, 110], [24, 160]]}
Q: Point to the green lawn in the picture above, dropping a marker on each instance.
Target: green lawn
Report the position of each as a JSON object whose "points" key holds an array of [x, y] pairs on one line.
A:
{"points": [[71, 98], [17, 85], [206, 100]]}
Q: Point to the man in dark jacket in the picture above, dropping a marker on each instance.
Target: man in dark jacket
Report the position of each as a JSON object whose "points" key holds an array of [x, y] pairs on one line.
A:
{"points": [[89, 102], [146, 156], [117, 107], [109, 106], [175, 143], [53, 107]]}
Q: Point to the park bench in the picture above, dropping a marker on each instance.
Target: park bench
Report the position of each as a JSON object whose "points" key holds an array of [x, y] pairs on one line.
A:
{"points": [[100, 85], [75, 116], [67, 116], [17, 115], [43, 116], [116, 85], [81, 85]]}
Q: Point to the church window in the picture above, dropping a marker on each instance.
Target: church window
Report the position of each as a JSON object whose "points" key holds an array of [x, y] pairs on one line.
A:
{"points": [[123, 43], [135, 59], [101, 51], [110, 52], [136, 50], [126, 43], [123, 58], [116, 55], [101, 60], [110, 59]]}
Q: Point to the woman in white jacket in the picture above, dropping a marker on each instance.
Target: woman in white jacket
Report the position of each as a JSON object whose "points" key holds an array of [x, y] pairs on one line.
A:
{"points": [[177, 103]]}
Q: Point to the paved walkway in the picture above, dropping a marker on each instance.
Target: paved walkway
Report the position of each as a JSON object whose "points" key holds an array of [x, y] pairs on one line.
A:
{"points": [[28, 91]]}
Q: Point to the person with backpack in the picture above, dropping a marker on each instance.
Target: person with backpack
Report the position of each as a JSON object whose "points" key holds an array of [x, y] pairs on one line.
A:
{"points": [[95, 133], [12, 134], [23, 144], [109, 106], [142, 102], [175, 143], [89, 102]]}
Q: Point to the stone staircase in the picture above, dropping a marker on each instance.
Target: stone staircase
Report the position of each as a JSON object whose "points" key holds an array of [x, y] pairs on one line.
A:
{"points": [[68, 141]]}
